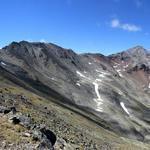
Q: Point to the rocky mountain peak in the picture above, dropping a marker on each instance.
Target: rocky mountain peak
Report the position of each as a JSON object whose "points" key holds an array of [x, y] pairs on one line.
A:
{"points": [[137, 51], [136, 56], [34, 47]]}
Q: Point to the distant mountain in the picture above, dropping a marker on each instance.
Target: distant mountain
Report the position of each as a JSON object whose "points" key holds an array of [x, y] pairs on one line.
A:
{"points": [[112, 91]]}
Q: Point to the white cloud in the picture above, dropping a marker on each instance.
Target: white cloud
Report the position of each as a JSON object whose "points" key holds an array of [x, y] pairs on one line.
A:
{"points": [[115, 23], [131, 27]]}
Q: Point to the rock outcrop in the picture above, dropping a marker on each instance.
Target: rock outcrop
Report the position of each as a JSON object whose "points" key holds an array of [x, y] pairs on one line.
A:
{"points": [[44, 138]]}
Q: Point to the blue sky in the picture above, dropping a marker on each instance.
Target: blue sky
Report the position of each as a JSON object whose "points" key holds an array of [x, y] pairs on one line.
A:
{"points": [[101, 26]]}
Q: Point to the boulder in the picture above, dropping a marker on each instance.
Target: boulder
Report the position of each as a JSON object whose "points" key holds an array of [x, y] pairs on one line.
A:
{"points": [[21, 119], [46, 138], [49, 134], [4, 110]]}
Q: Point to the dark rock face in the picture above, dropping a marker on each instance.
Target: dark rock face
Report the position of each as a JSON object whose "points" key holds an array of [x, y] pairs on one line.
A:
{"points": [[46, 137], [114, 90], [19, 118], [15, 120], [50, 135], [6, 110], [44, 141]]}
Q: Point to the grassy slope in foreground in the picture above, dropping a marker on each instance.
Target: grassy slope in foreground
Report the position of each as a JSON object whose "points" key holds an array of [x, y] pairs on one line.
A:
{"points": [[74, 129]]}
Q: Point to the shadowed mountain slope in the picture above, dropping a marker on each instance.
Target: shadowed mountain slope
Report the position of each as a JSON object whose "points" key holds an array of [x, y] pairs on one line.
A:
{"points": [[111, 91]]}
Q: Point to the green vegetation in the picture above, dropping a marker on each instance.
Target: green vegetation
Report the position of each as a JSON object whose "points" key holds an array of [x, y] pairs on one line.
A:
{"points": [[77, 131], [12, 133]]}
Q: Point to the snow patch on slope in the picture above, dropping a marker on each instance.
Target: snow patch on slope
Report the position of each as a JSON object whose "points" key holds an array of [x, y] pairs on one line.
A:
{"points": [[80, 74], [126, 66], [149, 85], [102, 75], [99, 100], [124, 108], [53, 79], [119, 72], [115, 66], [97, 70], [78, 84], [3, 63], [88, 78]]}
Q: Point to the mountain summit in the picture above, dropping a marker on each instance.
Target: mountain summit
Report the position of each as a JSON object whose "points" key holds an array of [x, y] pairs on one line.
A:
{"points": [[137, 49], [112, 91]]}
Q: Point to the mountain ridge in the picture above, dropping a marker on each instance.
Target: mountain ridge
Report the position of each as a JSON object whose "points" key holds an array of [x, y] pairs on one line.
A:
{"points": [[91, 84]]}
